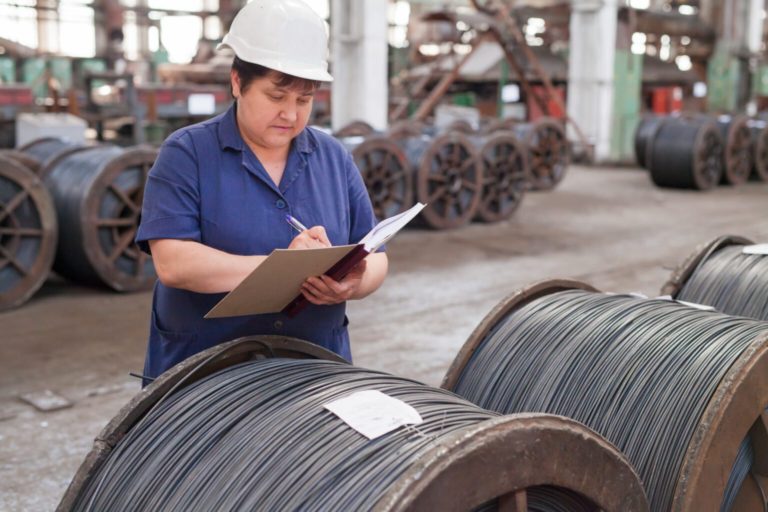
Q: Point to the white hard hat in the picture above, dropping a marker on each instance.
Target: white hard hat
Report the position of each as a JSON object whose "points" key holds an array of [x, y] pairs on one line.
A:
{"points": [[284, 35]]}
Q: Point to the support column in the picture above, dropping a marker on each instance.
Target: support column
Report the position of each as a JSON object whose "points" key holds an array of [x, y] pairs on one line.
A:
{"points": [[591, 71], [359, 62]]}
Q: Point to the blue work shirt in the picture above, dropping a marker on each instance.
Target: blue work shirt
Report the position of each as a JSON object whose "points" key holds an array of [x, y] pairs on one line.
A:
{"points": [[208, 186]]}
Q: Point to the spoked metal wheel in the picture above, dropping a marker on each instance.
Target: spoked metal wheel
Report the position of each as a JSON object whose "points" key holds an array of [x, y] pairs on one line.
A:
{"points": [[506, 177], [761, 155], [387, 175], [405, 129], [548, 152], [707, 158], [101, 219], [449, 180], [24, 159], [355, 129], [738, 152], [28, 232]]}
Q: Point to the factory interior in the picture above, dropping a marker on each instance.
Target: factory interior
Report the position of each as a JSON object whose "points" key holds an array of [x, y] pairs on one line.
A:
{"points": [[560, 305]]}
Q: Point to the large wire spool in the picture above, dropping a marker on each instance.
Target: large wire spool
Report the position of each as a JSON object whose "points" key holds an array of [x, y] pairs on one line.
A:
{"points": [[720, 275], [448, 176], [686, 153], [738, 151], [28, 232], [644, 135], [547, 151], [47, 151], [242, 426], [759, 130], [28, 161], [98, 193], [385, 171], [354, 129], [676, 389], [506, 175]]}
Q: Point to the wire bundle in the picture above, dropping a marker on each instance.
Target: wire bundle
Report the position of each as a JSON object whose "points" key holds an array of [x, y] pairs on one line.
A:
{"points": [[256, 437], [639, 372], [731, 282]]}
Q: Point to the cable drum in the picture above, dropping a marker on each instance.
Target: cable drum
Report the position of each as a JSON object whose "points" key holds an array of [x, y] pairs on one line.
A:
{"points": [[243, 427], [686, 153], [547, 151], [354, 129], [759, 130], [46, 151], [28, 232], [506, 175], [644, 136], [31, 163], [720, 275], [98, 193], [386, 173], [674, 388], [448, 176], [738, 150]]}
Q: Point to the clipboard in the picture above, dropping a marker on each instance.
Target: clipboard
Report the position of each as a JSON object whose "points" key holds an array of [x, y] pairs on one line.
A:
{"points": [[275, 285]]}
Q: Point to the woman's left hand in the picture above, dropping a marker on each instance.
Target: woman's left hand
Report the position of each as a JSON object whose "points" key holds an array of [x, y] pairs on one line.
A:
{"points": [[324, 290]]}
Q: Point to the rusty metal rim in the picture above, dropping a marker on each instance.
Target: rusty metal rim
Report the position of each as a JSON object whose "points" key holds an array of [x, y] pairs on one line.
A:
{"points": [[405, 177], [141, 156], [510, 303], [513, 453], [549, 180], [34, 142], [405, 129], [186, 372], [761, 155], [737, 404], [518, 151], [423, 175], [699, 255], [40, 268], [354, 128], [24, 159], [702, 154], [738, 136]]}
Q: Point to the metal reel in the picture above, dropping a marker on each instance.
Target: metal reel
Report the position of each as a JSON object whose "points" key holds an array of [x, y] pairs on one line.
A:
{"points": [[387, 175], [738, 152], [355, 129], [761, 155], [449, 179], [548, 148], [506, 177], [707, 158], [405, 129], [24, 159], [28, 233]]}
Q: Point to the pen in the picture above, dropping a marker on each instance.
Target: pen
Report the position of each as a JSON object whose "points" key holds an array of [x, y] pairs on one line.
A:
{"points": [[298, 226]]}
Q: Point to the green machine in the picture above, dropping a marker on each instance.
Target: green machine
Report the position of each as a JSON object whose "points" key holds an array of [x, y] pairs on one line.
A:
{"points": [[724, 73], [628, 79], [7, 70]]}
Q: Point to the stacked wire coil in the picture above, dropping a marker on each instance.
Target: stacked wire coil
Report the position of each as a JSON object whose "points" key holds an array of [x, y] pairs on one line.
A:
{"points": [[723, 276], [254, 435], [646, 374]]}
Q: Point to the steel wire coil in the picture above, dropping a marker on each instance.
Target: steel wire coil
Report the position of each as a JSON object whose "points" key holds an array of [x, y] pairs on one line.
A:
{"points": [[676, 389], [386, 172], [251, 433], [506, 174], [28, 161], [46, 151], [548, 154], [759, 130], [644, 135], [720, 275], [686, 153], [98, 193], [738, 150], [28, 233], [448, 176], [354, 129]]}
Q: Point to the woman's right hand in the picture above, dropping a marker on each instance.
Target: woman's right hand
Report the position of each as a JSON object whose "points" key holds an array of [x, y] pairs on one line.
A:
{"points": [[313, 238]]}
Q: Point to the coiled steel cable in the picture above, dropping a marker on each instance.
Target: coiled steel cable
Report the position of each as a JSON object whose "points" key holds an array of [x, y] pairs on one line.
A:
{"points": [[644, 136], [730, 281], [739, 473], [46, 150], [686, 153], [640, 372], [97, 192], [255, 436]]}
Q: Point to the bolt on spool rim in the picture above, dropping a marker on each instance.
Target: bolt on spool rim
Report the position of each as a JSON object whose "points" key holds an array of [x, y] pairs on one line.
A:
{"points": [[506, 177], [386, 174]]}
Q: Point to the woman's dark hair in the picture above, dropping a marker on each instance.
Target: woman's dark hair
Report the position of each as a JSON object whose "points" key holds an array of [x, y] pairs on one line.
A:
{"points": [[248, 72]]}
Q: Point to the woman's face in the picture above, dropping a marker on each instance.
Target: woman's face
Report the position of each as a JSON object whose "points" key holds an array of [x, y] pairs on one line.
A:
{"points": [[268, 115]]}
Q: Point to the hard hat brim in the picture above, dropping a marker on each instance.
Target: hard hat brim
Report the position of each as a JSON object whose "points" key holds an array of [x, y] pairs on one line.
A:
{"points": [[317, 74]]}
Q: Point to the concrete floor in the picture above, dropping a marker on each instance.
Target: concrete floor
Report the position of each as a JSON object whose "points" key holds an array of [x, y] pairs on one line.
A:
{"points": [[609, 227]]}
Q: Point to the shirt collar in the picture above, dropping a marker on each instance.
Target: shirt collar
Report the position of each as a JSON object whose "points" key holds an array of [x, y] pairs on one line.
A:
{"points": [[229, 135]]}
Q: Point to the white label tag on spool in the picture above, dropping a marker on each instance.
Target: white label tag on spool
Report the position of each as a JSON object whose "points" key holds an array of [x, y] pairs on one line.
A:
{"points": [[372, 413], [761, 249], [702, 307]]}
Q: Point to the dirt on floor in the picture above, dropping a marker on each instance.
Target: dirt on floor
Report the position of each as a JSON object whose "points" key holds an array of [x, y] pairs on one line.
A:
{"points": [[608, 227]]}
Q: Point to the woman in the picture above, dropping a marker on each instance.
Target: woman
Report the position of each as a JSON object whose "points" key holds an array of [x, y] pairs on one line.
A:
{"points": [[216, 199]]}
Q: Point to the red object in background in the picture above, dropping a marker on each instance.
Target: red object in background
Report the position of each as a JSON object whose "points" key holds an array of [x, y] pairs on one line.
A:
{"points": [[19, 96], [667, 100], [534, 112]]}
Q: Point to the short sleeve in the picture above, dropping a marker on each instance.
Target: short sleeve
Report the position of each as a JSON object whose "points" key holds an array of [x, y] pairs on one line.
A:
{"points": [[362, 217], [171, 207]]}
